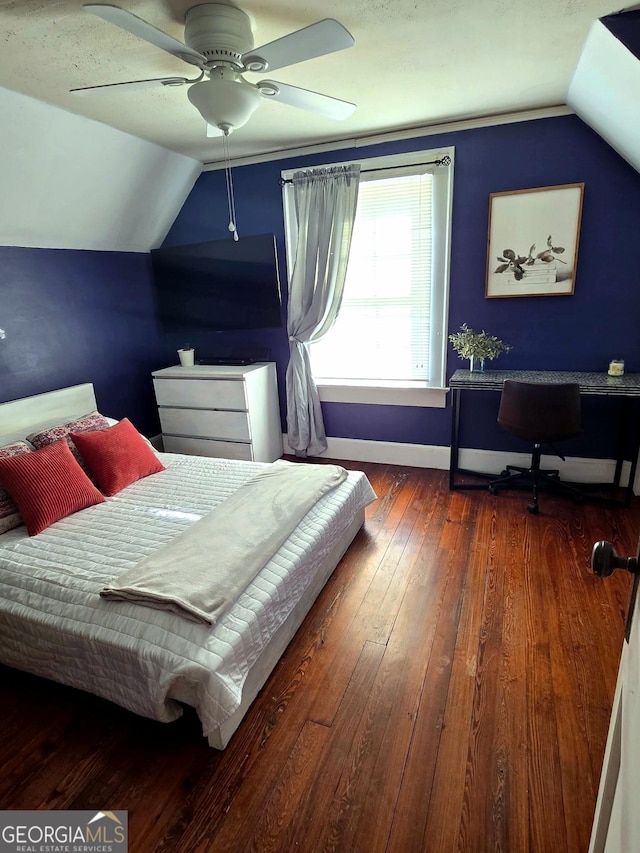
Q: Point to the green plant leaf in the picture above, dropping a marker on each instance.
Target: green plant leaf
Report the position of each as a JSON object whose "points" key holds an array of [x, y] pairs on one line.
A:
{"points": [[468, 343]]}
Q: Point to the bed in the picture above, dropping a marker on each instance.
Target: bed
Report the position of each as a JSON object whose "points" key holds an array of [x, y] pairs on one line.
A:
{"points": [[55, 624]]}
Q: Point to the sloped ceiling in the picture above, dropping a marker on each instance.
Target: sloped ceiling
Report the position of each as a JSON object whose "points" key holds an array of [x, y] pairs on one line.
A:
{"points": [[55, 163], [605, 89], [71, 183], [414, 64]]}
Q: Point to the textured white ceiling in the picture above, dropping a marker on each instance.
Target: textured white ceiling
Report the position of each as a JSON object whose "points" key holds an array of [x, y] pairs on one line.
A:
{"points": [[414, 63]]}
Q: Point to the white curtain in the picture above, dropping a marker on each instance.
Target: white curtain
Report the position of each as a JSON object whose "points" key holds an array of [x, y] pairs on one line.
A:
{"points": [[324, 207]]}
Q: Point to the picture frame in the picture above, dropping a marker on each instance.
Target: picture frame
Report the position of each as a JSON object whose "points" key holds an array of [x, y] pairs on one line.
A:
{"points": [[532, 246]]}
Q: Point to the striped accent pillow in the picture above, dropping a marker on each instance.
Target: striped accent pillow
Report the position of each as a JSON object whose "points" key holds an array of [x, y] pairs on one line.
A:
{"points": [[9, 515], [47, 485], [117, 456]]}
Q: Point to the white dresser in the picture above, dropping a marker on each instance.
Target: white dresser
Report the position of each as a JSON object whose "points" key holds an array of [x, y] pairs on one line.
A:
{"points": [[228, 411]]}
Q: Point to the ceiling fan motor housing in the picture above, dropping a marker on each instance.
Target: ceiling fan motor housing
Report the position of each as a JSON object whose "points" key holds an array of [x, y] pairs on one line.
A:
{"points": [[220, 33]]}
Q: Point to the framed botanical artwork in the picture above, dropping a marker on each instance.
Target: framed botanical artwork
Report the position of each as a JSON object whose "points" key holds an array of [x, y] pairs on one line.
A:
{"points": [[533, 241]]}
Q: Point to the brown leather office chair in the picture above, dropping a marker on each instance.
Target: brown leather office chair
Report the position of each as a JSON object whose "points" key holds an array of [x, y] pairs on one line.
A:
{"points": [[541, 414]]}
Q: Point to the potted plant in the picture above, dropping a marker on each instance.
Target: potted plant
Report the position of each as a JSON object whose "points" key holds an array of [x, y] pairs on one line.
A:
{"points": [[477, 346]]}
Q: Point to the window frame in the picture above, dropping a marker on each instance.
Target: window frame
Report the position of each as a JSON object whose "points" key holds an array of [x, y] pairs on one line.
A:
{"points": [[387, 392]]}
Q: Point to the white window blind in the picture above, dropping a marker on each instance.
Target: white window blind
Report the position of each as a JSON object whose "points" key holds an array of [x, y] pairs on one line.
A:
{"points": [[389, 342], [383, 329]]}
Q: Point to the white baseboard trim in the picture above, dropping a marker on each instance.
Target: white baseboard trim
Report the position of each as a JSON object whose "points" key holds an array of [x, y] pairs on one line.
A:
{"points": [[574, 468], [388, 452]]}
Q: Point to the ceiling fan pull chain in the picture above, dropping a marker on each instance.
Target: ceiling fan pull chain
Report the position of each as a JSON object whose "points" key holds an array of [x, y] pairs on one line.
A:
{"points": [[233, 206], [229, 180]]}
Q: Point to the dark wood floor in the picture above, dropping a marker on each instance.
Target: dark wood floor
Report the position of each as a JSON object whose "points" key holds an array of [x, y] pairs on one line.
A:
{"points": [[450, 690]]}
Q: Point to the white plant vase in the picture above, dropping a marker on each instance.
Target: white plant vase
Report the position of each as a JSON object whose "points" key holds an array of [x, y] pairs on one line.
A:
{"points": [[186, 357]]}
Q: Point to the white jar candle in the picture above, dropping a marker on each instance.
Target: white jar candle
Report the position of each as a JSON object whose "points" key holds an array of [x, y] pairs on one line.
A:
{"points": [[616, 367]]}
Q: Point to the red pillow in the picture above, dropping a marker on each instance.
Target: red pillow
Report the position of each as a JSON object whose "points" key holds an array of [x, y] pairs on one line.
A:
{"points": [[9, 515], [47, 485], [117, 456]]}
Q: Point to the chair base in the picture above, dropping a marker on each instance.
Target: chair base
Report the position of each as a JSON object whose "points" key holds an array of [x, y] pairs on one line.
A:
{"points": [[534, 478]]}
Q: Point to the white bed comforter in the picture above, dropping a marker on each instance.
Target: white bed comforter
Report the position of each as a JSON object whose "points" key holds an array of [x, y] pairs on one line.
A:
{"points": [[53, 622]]}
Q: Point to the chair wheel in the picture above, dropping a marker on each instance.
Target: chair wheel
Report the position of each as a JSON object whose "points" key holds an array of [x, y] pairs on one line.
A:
{"points": [[492, 490], [504, 473], [533, 508]]}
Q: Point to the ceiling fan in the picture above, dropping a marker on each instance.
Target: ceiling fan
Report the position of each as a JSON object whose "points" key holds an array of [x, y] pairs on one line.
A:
{"points": [[219, 42]]}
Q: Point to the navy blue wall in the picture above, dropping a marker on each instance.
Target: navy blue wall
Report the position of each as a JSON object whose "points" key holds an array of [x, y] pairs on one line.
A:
{"points": [[72, 317], [579, 332]]}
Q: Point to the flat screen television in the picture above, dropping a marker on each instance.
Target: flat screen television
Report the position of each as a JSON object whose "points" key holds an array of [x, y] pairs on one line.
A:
{"points": [[219, 285]]}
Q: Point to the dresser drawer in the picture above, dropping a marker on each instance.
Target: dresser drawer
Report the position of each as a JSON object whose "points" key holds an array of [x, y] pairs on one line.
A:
{"points": [[207, 447], [201, 393], [204, 423]]}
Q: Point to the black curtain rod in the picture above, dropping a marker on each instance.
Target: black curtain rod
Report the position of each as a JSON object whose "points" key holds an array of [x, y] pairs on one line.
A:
{"points": [[445, 161]]}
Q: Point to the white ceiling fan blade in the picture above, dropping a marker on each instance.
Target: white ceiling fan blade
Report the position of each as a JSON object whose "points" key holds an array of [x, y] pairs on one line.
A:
{"points": [[131, 84], [306, 100], [137, 27], [315, 40]]}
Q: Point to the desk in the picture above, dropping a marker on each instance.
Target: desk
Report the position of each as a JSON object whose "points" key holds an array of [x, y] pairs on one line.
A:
{"points": [[596, 384]]}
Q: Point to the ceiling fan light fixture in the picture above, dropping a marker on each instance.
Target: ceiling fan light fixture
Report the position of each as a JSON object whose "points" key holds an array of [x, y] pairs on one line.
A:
{"points": [[224, 102]]}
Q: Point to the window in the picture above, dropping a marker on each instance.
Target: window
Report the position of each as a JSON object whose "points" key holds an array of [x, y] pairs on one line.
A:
{"points": [[391, 330]]}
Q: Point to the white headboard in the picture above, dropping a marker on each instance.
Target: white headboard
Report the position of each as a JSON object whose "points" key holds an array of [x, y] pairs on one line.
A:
{"points": [[20, 417]]}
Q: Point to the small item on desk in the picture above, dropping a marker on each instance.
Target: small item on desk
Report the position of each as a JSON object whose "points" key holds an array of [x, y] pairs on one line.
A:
{"points": [[616, 367]]}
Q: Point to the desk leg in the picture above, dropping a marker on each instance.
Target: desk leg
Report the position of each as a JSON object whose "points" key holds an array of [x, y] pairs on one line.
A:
{"points": [[455, 433], [635, 449], [454, 468], [623, 434], [626, 424]]}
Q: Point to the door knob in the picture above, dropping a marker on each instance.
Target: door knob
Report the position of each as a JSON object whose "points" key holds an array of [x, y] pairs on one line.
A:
{"points": [[604, 560]]}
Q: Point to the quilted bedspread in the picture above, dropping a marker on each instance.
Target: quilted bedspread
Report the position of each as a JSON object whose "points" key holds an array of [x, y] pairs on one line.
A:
{"points": [[53, 622]]}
